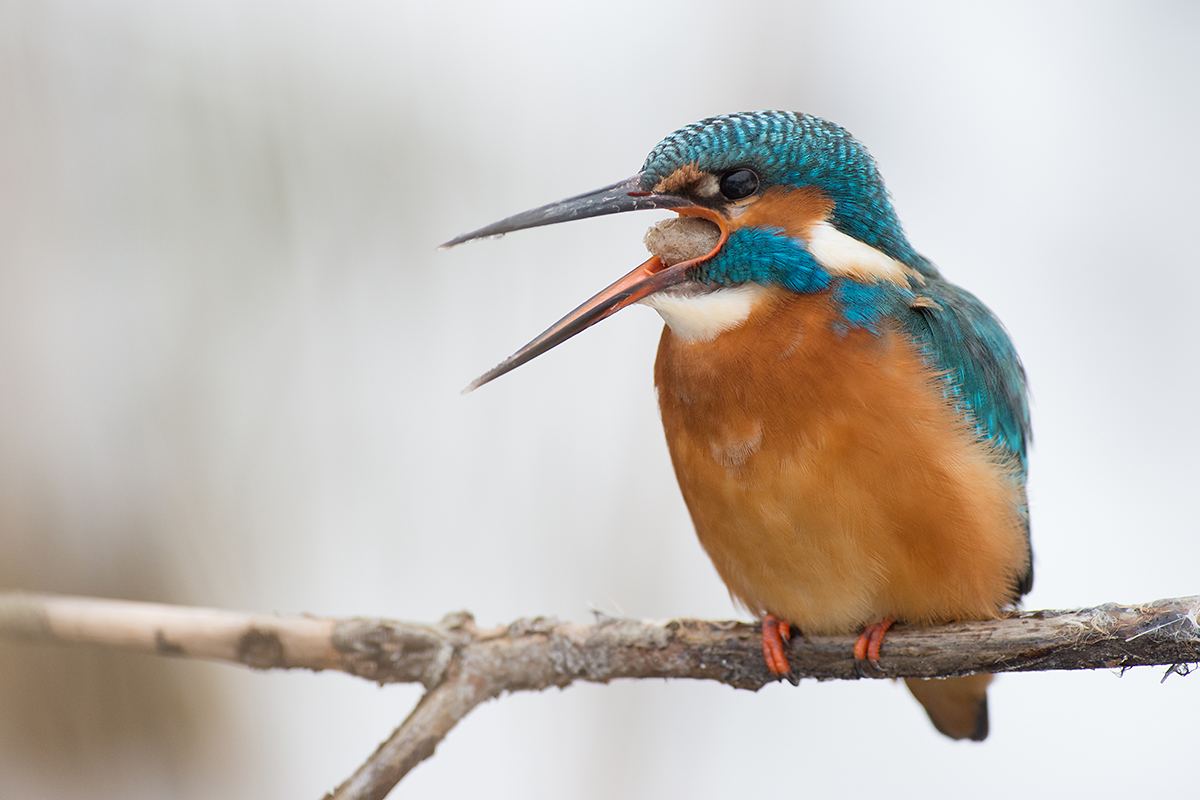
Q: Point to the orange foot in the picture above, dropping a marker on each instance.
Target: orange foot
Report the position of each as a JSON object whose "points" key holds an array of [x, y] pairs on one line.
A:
{"points": [[868, 644], [775, 632]]}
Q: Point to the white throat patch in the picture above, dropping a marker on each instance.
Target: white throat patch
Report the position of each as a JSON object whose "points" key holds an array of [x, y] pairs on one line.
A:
{"points": [[702, 317]]}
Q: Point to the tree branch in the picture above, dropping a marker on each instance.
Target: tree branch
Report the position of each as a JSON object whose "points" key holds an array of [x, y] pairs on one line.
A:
{"points": [[462, 666]]}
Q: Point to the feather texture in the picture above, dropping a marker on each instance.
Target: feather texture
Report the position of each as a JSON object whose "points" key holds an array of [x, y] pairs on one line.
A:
{"points": [[857, 449], [828, 478]]}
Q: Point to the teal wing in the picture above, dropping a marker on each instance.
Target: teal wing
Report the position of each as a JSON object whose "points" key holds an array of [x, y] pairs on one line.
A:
{"points": [[984, 375]]}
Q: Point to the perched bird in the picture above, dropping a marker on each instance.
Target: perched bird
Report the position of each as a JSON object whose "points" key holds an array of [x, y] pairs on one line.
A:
{"points": [[848, 428]]}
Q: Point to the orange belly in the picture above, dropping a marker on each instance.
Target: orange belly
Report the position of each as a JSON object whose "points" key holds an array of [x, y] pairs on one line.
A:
{"points": [[828, 479]]}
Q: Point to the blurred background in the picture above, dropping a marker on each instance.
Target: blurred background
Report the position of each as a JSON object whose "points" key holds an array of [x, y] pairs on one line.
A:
{"points": [[230, 363]]}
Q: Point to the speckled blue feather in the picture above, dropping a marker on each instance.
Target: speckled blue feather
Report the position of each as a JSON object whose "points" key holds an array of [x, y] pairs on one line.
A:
{"points": [[787, 148]]}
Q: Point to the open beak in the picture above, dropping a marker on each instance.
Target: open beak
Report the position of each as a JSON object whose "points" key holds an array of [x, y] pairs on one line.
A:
{"points": [[648, 278]]}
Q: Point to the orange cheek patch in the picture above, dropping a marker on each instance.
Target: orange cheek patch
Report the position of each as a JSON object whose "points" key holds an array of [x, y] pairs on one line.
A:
{"points": [[794, 210]]}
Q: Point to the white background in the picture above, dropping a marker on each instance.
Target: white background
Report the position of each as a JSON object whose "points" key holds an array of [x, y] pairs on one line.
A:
{"points": [[230, 363]]}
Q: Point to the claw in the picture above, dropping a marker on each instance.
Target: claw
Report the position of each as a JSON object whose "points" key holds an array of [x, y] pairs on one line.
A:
{"points": [[866, 649], [775, 633]]}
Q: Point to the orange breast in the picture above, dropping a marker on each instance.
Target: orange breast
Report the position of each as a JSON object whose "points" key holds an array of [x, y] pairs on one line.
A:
{"points": [[828, 480]]}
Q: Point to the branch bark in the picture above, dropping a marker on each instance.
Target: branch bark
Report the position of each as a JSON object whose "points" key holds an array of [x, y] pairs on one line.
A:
{"points": [[461, 665]]}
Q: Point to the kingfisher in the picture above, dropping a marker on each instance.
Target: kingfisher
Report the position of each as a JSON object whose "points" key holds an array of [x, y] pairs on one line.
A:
{"points": [[848, 428]]}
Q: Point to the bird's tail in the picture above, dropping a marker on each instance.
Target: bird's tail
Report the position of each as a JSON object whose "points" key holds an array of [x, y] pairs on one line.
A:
{"points": [[957, 707]]}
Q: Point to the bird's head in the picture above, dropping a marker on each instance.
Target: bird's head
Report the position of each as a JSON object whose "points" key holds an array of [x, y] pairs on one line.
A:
{"points": [[766, 198]]}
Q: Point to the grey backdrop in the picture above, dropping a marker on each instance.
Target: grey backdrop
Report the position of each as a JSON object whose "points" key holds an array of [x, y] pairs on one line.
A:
{"points": [[230, 360]]}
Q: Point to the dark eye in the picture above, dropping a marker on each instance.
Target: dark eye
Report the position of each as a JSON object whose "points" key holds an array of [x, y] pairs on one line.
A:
{"points": [[738, 184]]}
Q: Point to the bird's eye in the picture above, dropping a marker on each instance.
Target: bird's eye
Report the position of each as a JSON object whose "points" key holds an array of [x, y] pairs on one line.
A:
{"points": [[738, 184]]}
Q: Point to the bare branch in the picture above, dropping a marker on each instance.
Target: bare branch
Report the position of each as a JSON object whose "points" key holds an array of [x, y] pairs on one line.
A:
{"points": [[438, 711], [462, 666]]}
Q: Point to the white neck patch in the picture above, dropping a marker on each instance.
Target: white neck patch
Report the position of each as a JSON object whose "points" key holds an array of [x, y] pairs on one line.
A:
{"points": [[846, 256], [702, 317]]}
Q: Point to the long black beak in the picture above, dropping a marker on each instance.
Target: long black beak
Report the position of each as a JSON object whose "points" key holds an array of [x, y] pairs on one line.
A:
{"points": [[626, 195], [646, 279]]}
